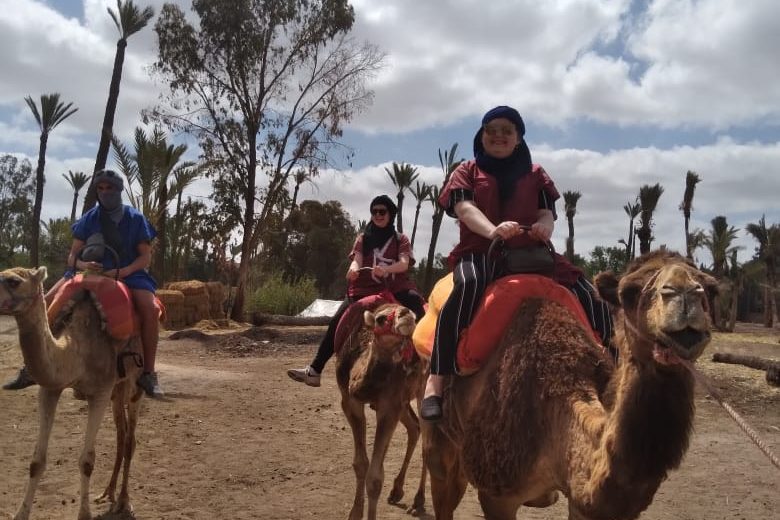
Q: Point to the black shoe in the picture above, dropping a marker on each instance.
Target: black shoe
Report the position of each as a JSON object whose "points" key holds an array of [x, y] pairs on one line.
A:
{"points": [[430, 409], [148, 381], [22, 380]]}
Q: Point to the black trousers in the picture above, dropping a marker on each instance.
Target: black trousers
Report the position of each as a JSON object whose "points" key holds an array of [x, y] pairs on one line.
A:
{"points": [[409, 299], [470, 278]]}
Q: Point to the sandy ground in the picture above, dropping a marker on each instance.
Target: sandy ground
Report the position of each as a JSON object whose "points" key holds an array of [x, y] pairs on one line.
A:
{"points": [[235, 438]]}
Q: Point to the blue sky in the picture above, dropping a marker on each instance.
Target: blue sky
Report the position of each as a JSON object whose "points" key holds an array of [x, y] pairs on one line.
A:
{"points": [[615, 94]]}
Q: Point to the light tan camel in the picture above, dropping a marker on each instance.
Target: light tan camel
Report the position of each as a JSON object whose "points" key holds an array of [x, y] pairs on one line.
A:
{"points": [[82, 357], [550, 411], [377, 365]]}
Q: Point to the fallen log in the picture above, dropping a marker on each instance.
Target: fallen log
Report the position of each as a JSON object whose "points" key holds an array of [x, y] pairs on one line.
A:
{"points": [[261, 318], [771, 367]]}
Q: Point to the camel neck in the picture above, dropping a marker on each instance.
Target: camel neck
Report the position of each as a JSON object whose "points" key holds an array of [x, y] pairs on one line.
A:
{"points": [[645, 436], [39, 348]]}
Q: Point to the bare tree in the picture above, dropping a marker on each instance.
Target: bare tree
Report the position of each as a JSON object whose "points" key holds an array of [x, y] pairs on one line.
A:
{"points": [[265, 87]]}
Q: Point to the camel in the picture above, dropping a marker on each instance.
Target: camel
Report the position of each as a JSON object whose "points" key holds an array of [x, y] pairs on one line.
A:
{"points": [[551, 411], [85, 358], [377, 365]]}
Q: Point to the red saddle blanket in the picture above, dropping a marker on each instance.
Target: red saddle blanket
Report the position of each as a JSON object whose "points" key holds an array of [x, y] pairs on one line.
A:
{"points": [[353, 317], [113, 299], [497, 308]]}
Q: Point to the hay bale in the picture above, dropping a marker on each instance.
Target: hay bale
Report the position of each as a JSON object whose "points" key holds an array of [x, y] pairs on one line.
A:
{"points": [[217, 298], [174, 308], [196, 302]]}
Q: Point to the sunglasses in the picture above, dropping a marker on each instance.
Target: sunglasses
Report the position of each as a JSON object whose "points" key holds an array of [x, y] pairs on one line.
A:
{"points": [[500, 130], [379, 211]]}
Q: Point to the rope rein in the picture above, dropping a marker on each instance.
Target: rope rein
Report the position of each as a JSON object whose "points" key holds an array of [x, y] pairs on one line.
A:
{"points": [[710, 387]]}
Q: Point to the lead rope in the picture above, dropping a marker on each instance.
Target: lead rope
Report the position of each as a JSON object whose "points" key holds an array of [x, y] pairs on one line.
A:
{"points": [[749, 431], [707, 384]]}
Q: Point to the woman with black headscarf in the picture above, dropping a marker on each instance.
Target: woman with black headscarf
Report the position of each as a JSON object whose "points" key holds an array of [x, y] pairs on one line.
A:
{"points": [[498, 194], [389, 255]]}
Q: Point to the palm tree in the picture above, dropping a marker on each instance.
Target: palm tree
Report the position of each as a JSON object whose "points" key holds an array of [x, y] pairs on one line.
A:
{"points": [[301, 176], [719, 242], [151, 166], [648, 200], [403, 175], [77, 180], [129, 19], [448, 165], [632, 210], [691, 180], [768, 239], [51, 114], [421, 193], [570, 199]]}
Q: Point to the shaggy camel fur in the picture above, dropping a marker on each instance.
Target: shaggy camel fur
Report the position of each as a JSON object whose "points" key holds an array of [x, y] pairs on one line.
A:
{"points": [[377, 365], [551, 412], [82, 357]]}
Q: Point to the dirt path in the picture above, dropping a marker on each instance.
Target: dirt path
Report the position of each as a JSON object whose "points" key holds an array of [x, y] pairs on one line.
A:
{"points": [[237, 439]]}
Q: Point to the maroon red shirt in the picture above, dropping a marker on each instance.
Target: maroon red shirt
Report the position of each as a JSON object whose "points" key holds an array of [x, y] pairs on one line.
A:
{"points": [[365, 284], [468, 182]]}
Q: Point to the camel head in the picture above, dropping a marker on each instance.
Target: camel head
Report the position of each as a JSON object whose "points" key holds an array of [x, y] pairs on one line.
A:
{"points": [[663, 300], [19, 288], [392, 327]]}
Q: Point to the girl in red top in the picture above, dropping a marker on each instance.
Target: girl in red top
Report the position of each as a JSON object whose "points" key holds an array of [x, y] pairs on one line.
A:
{"points": [[493, 196], [389, 255]]}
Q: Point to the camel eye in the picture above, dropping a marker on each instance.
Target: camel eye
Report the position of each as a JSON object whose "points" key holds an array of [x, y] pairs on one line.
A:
{"points": [[668, 291], [381, 320], [12, 283]]}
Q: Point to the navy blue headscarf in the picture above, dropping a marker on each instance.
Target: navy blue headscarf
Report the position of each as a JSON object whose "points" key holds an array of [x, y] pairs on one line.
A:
{"points": [[507, 170]]}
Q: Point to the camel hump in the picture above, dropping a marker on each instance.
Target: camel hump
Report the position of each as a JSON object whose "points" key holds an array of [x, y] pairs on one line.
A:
{"points": [[352, 319], [112, 298]]}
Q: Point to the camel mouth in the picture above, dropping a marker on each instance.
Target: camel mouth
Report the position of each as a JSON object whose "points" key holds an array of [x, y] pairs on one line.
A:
{"points": [[687, 344], [405, 329]]}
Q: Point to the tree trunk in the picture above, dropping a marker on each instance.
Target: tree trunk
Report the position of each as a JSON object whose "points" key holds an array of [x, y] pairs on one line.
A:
{"points": [[570, 240], [90, 199], [400, 211], [162, 241], [40, 180], [736, 288], [414, 228], [237, 313], [438, 215], [73, 207], [771, 367], [688, 252]]}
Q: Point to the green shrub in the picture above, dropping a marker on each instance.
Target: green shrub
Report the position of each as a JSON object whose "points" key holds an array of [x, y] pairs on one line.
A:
{"points": [[275, 296]]}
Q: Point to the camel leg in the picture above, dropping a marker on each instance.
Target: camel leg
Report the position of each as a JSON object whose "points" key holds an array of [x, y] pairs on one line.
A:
{"points": [[409, 420], [133, 408], [448, 482], [120, 422], [47, 407], [386, 421], [497, 508], [356, 416], [96, 410]]}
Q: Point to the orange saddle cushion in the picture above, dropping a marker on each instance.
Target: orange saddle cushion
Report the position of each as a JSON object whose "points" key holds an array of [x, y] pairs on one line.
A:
{"points": [[498, 306], [113, 298]]}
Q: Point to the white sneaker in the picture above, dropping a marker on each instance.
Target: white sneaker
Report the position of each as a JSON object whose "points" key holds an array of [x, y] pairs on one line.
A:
{"points": [[305, 375]]}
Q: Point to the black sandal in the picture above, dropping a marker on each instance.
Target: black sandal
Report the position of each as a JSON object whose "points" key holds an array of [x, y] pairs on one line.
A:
{"points": [[430, 409]]}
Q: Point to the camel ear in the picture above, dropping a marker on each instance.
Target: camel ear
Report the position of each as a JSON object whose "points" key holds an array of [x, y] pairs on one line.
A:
{"points": [[368, 318], [607, 285], [39, 274]]}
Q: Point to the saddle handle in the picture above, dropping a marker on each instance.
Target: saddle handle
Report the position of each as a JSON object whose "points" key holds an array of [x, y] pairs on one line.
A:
{"points": [[113, 253], [496, 241]]}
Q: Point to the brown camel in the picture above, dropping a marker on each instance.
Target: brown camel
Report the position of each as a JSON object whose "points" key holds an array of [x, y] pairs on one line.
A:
{"points": [[83, 357], [377, 365], [549, 411]]}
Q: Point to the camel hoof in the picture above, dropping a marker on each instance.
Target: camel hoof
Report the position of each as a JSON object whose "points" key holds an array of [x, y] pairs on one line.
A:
{"points": [[122, 506], [416, 510], [395, 496], [105, 497], [544, 500]]}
